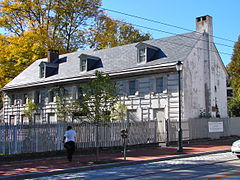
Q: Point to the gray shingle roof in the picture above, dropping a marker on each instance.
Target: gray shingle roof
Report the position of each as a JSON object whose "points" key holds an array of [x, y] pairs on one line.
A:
{"points": [[176, 48]]}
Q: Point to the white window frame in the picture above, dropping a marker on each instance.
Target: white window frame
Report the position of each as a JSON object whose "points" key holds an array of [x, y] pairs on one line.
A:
{"points": [[42, 71], [142, 58], [83, 66]]}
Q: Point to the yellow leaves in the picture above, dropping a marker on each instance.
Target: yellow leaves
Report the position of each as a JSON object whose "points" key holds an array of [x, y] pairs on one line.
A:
{"points": [[3, 20], [110, 32], [18, 52]]}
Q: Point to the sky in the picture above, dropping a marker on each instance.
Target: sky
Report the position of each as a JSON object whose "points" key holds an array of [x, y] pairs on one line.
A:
{"points": [[182, 13]]}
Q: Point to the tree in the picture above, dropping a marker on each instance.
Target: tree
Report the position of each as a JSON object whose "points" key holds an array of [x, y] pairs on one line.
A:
{"points": [[30, 109], [234, 71], [99, 98], [66, 20], [18, 52], [62, 108], [1, 101], [38, 25], [234, 106], [108, 32], [119, 112], [65, 106], [234, 68]]}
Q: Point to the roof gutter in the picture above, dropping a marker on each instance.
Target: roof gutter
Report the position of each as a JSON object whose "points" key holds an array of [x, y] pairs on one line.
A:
{"points": [[125, 73]]}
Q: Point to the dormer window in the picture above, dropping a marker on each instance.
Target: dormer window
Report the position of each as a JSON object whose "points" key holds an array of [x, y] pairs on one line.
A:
{"points": [[147, 52], [88, 62], [83, 65], [42, 70], [47, 69], [142, 55]]}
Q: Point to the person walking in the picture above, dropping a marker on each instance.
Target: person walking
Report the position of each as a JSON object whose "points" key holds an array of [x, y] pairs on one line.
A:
{"points": [[69, 142]]}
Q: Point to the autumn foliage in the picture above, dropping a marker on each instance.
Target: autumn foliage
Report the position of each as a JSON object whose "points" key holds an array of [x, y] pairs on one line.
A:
{"points": [[234, 71], [33, 26]]}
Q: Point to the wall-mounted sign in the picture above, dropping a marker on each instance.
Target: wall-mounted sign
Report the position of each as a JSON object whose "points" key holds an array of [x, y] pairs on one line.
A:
{"points": [[215, 126]]}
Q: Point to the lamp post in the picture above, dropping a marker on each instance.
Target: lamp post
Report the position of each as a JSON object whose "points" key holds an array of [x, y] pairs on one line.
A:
{"points": [[179, 69]]}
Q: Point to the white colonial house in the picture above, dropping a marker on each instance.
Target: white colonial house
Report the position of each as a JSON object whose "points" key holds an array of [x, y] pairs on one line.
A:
{"points": [[145, 71]]}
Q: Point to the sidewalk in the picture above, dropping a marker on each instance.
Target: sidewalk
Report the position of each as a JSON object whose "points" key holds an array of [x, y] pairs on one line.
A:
{"points": [[57, 165]]}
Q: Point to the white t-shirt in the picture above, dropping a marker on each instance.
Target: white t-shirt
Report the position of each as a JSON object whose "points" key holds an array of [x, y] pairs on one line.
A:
{"points": [[70, 135]]}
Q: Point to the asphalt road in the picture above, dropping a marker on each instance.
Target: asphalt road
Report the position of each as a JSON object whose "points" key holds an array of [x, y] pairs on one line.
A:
{"points": [[214, 166]]}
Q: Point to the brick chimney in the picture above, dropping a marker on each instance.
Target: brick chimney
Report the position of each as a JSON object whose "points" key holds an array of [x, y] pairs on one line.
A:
{"points": [[52, 55], [204, 24]]}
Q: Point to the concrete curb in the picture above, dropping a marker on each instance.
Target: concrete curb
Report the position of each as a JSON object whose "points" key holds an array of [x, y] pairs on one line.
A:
{"points": [[109, 165]]}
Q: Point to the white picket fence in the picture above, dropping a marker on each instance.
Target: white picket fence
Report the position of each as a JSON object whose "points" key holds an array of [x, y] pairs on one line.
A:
{"points": [[48, 137]]}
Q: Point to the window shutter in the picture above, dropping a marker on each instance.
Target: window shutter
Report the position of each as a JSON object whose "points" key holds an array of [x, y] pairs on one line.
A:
{"points": [[50, 96], [136, 86], [165, 79], [36, 97]]}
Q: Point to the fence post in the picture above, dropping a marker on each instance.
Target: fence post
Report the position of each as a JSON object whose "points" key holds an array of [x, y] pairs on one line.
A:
{"points": [[3, 139], [167, 131], [36, 136], [59, 127], [15, 138]]}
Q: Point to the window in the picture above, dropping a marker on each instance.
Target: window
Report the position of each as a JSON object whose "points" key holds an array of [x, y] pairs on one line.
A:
{"points": [[83, 65], [132, 87], [51, 118], [67, 92], [51, 96], [159, 85], [37, 119], [24, 119], [37, 97], [142, 55], [88, 62], [132, 115], [12, 99], [42, 70], [12, 120], [79, 93], [25, 99], [148, 52]]}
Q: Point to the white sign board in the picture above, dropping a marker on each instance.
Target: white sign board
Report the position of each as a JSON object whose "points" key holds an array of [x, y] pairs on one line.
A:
{"points": [[215, 126]]}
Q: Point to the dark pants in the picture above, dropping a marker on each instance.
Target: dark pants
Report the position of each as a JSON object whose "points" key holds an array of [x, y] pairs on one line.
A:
{"points": [[70, 147]]}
